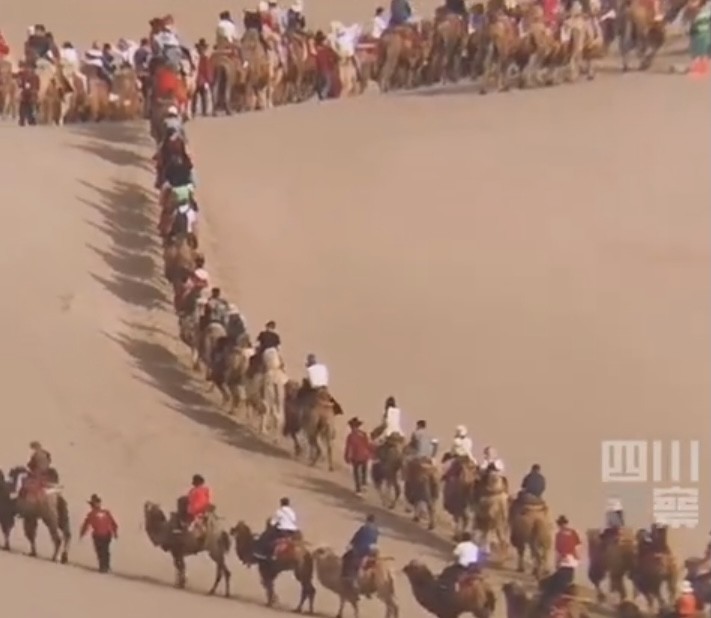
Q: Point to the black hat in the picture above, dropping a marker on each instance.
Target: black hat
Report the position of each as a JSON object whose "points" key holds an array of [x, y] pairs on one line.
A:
{"points": [[94, 500], [562, 520], [355, 422]]}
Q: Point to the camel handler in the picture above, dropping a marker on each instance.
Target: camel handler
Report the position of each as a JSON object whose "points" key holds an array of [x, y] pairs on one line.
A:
{"points": [[363, 545], [358, 453], [567, 544], [103, 530], [686, 604]]}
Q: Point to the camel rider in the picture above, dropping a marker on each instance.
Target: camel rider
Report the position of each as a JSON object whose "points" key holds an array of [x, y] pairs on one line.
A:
{"points": [[422, 445], [467, 558], [295, 20], [40, 462], [199, 500], [226, 32], [491, 463], [191, 294], [400, 12], [363, 544], [173, 121], [217, 309], [462, 445], [266, 340], [283, 524], [686, 604], [533, 484], [380, 23], [456, 7], [316, 373], [235, 323], [567, 544], [614, 519], [94, 57], [391, 419], [166, 44]]}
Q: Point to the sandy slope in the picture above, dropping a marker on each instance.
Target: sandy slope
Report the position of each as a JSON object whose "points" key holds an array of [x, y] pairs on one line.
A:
{"points": [[535, 265]]}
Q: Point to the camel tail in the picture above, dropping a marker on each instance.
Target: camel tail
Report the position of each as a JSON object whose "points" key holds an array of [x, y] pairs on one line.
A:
{"points": [[224, 541], [63, 518]]}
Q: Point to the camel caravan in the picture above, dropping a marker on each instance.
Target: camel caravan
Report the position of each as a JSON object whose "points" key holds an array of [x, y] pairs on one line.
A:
{"points": [[493, 520], [273, 59]]}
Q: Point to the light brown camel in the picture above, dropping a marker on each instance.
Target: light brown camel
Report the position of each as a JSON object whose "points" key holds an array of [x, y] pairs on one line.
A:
{"points": [[472, 594], [179, 541], [655, 567], [37, 502], [387, 467], [639, 31], [491, 510], [229, 72], [422, 489], [374, 578], [532, 529], [288, 555], [611, 555]]}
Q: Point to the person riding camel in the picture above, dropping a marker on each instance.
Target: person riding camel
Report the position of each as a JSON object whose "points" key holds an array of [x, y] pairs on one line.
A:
{"points": [[422, 445], [174, 121], [492, 464], [391, 422], [295, 20], [380, 23], [461, 452], [199, 501], [196, 283], [283, 524], [532, 487], [226, 30], [40, 461], [614, 519], [363, 545], [456, 7], [268, 339], [467, 559], [37, 46], [94, 58], [400, 13]]}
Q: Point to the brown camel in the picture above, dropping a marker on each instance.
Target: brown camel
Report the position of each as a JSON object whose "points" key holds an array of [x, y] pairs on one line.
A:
{"points": [[179, 256], [8, 91], [229, 72], [208, 340], [300, 75], [459, 482], [402, 51], [655, 566], [422, 489], [129, 105], [260, 71], [612, 555], [172, 536], [472, 594], [37, 502], [640, 32], [491, 509], [231, 374], [374, 579], [289, 555], [448, 43], [387, 467], [531, 528], [501, 45]]}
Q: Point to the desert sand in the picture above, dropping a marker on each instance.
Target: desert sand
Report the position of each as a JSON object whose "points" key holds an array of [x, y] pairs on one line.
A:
{"points": [[534, 265]]}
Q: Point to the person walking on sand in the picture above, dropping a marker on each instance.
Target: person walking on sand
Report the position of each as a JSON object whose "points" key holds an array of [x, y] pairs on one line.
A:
{"points": [[359, 452], [104, 529]]}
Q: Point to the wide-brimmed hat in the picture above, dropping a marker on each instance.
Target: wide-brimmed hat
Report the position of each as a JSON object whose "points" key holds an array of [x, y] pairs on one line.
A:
{"points": [[202, 44], [95, 499], [355, 422], [562, 520]]}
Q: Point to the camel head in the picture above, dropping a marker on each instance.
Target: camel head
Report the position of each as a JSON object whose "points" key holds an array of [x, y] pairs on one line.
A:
{"points": [[418, 573], [154, 521], [244, 542]]}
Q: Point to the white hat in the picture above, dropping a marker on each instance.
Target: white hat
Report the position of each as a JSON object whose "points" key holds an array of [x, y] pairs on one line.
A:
{"points": [[336, 26], [233, 309], [172, 111], [461, 430], [686, 587], [297, 7], [30, 30], [263, 6]]}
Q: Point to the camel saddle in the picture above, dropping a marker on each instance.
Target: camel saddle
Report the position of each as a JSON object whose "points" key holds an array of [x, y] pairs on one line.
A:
{"points": [[284, 547], [526, 503], [467, 577], [34, 486]]}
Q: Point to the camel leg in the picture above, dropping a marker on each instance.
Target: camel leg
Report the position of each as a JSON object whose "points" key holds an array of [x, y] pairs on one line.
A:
{"points": [[180, 577], [30, 526], [308, 592], [329, 453]]}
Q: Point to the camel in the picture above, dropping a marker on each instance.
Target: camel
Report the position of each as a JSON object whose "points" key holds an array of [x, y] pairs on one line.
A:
{"points": [[586, 43], [501, 44], [459, 482], [129, 103], [300, 76], [530, 527], [98, 99], [521, 605], [261, 71], [655, 566], [172, 537], [274, 379], [387, 467], [611, 555], [35, 503], [472, 594], [449, 39], [639, 32], [8, 91], [401, 53], [229, 73], [179, 256], [422, 489], [289, 555], [491, 510], [213, 332], [374, 579]]}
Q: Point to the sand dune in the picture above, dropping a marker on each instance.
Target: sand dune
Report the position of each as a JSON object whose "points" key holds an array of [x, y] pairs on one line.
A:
{"points": [[534, 265]]}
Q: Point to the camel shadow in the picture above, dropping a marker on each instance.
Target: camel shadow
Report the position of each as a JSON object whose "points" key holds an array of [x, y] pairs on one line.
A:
{"points": [[124, 217], [160, 368]]}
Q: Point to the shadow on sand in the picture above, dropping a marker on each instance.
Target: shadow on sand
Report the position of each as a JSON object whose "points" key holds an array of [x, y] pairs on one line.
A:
{"points": [[133, 256], [117, 143]]}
